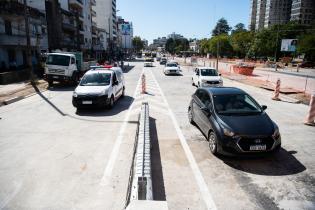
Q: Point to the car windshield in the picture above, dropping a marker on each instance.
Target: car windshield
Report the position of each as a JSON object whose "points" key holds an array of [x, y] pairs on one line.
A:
{"points": [[235, 104], [208, 72], [171, 65], [60, 60], [98, 79]]}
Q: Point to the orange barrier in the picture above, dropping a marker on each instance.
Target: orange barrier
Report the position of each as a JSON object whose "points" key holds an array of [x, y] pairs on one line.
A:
{"points": [[311, 113], [277, 91], [143, 84]]}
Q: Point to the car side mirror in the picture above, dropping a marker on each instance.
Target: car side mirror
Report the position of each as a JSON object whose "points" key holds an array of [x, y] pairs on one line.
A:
{"points": [[264, 107], [115, 83]]}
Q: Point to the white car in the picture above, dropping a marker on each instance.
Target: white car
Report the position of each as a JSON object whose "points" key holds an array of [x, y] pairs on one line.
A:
{"points": [[206, 77], [148, 64], [172, 68], [99, 87]]}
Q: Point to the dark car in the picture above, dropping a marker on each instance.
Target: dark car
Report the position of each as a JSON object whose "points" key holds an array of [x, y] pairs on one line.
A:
{"points": [[163, 61], [233, 122], [307, 64]]}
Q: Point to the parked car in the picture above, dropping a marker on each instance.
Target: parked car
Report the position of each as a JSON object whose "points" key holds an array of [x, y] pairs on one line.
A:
{"points": [[233, 122], [158, 58], [206, 77], [172, 68], [307, 64], [163, 61], [99, 87]]}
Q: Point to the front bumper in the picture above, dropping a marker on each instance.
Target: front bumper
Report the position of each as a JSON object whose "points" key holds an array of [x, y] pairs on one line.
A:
{"points": [[211, 84], [240, 145], [174, 72], [51, 77], [90, 101]]}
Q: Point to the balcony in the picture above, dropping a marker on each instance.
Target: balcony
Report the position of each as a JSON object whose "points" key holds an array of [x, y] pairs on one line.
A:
{"points": [[15, 40], [93, 2], [76, 4], [94, 24], [93, 13], [68, 25]]}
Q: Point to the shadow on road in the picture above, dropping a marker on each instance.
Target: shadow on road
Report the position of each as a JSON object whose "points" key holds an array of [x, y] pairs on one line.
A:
{"points": [[61, 87], [277, 164], [121, 105], [128, 68], [157, 173]]}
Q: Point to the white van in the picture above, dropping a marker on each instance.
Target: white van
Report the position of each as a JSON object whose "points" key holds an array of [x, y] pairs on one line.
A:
{"points": [[99, 87], [206, 77]]}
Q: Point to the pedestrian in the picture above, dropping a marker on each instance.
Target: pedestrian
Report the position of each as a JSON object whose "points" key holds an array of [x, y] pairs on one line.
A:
{"points": [[311, 113]]}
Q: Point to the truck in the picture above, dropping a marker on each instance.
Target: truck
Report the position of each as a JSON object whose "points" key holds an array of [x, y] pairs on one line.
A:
{"points": [[65, 67]]}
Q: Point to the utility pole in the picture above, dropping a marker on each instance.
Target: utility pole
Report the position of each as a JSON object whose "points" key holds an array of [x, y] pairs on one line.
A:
{"points": [[218, 46], [28, 42]]}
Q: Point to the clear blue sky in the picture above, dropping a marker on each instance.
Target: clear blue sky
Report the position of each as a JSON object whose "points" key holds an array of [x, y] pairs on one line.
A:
{"points": [[191, 18]]}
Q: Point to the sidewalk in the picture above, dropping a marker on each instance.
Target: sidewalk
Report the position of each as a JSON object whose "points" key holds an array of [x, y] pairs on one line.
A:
{"points": [[14, 92]]}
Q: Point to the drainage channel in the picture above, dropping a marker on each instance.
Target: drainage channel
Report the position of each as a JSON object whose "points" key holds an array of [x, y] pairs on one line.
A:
{"points": [[140, 191]]}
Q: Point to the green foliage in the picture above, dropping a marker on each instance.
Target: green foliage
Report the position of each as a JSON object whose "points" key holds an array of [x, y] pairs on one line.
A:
{"points": [[306, 45], [222, 27], [176, 45], [240, 27], [137, 43], [241, 42], [221, 41]]}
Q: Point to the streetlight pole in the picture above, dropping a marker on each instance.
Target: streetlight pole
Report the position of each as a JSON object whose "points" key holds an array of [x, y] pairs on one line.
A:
{"points": [[218, 46], [28, 42]]}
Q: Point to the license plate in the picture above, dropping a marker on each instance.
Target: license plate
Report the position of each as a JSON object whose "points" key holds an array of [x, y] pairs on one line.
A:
{"points": [[258, 147], [86, 102], [55, 77]]}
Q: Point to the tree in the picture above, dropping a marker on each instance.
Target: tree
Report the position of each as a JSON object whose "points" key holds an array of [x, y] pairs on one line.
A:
{"points": [[241, 42], [137, 43], [176, 45], [225, 48], [306, 45], [222, 27], [204, 46], [240, 27]]}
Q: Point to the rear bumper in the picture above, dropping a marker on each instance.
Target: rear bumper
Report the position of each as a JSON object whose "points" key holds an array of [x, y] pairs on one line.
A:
{"points": [[173, 72], [90, 101]]}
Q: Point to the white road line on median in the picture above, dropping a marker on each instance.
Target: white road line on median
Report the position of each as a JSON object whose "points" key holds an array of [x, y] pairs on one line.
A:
{"points": [[113, 156], [207, 197]]}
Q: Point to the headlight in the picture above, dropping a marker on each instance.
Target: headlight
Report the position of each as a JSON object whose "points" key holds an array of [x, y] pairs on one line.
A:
{"points": [[103, 93], [75, 94], [228, 132], [203, 80], [276, 134]]}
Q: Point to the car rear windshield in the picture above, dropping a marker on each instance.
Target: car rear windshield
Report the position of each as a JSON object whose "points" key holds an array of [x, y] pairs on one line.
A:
{"points": [[171, 65], [98, 79], [208, 72], [60, 60], [238, 104]]}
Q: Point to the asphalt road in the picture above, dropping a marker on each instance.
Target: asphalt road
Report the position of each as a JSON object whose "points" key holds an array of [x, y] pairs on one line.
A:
{"points": [[54, 158]]}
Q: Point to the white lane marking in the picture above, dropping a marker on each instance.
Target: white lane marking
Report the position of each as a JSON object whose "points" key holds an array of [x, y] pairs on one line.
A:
{"points": [[113, 156], [7, 199], [207, 197]]}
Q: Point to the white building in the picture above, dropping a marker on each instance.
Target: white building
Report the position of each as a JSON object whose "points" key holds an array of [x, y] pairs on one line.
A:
{"points": [[106, 19], [125, 33]]}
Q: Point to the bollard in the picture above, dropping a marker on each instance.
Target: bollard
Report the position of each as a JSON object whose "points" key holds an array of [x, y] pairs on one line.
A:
{"points": [[311, 113], [143, 84], [277, 91]]}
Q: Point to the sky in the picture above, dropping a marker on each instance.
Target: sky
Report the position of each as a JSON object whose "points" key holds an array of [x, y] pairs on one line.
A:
{"points": [[191, 18]]}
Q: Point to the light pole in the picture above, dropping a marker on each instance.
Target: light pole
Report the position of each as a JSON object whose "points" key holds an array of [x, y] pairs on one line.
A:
{"points": [[28, 42]]}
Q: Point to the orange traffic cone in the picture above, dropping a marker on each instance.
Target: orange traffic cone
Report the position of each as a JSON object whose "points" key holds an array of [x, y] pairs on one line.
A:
{"points": [[311, 113], [143, 84], [277, 91]]}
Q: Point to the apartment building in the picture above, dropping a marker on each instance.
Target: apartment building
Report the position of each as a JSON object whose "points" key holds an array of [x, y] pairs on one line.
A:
{"points": [[303, 11], [265, 13], [107, 20], [125, 33], [13, 40]]}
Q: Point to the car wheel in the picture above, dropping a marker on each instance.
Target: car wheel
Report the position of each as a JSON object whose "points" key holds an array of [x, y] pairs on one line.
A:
{"points": [[50, 83], [277, 149], [190, 116], [123, 92], [111, 102], [213, 143]]}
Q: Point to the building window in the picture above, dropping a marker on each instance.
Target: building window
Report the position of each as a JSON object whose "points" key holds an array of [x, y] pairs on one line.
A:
{"points": [[8, 27]]}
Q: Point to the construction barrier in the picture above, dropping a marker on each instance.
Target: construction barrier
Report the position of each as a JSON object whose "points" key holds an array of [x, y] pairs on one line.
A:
{"points": [[277, 91], [311, 114]]}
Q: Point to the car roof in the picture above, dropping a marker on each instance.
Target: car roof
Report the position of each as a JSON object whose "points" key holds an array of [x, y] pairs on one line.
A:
{"points": [[224, 90], [99, 70], [205, 68]]}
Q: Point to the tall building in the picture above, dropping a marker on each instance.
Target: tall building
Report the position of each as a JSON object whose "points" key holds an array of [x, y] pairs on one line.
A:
{"points": [[303, 11], [13, 40], [265, 13], [125, 33], [175, 36], [106, 19], [277, 12]]}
